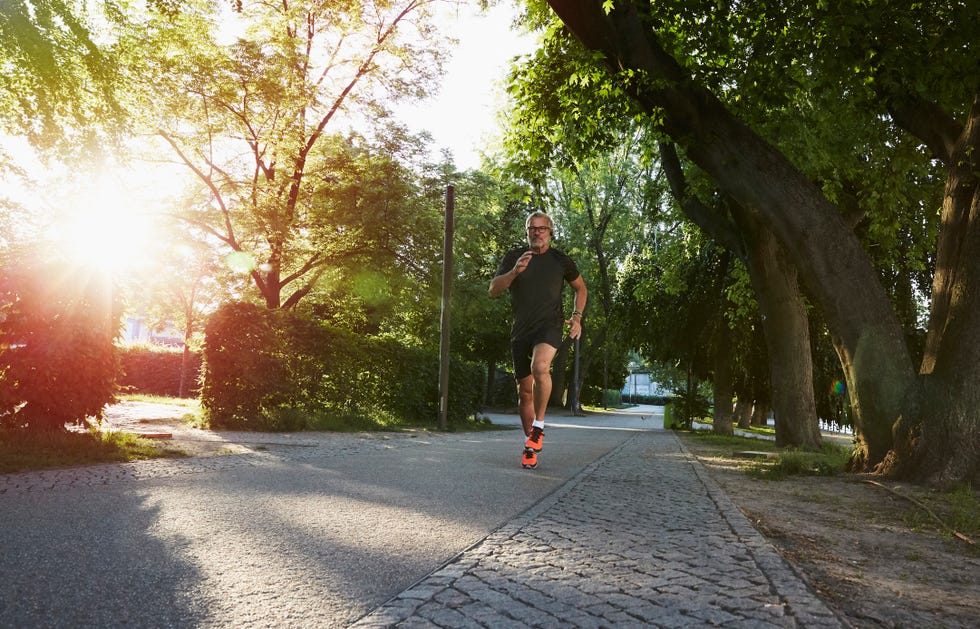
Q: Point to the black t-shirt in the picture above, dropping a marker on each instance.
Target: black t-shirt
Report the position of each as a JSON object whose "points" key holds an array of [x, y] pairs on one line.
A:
{"points": [[535, 294]]}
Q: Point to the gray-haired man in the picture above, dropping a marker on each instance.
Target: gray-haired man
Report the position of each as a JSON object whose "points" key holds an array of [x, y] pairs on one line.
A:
{"points": [[536, 276]]}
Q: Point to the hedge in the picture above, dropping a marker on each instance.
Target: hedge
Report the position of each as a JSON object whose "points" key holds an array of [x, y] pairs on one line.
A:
{"points": [[155, 370], [269, 370]]}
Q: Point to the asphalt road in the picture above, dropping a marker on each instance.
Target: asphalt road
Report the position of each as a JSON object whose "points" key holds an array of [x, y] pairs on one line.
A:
{"points": [[287, 536]]}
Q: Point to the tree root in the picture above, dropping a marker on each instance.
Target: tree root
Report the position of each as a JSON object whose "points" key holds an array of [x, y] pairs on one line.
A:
{"points": [[951, 530]]}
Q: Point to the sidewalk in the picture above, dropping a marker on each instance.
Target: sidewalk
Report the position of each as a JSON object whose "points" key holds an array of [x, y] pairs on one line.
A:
{"points": [[642, 537]]}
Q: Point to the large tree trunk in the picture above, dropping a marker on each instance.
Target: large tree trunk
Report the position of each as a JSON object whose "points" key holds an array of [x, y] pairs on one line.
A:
{"points": [[945, 446], [721, 385], [784, 319], [787, 334], [743, 412], [823, 248]]}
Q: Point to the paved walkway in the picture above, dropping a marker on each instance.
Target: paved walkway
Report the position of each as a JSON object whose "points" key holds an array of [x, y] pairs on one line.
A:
{"points": [[642, 537]]}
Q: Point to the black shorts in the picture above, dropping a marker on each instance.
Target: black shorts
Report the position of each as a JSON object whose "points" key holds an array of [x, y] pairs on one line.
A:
{"points": [[523, 347]]}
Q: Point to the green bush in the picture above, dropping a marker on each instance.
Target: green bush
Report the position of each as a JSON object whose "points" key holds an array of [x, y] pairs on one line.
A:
{"points": [[654, 400], [612, 398], [686, 408], [155, 370], [504, 392], [245, 375], [58, 359], [269, 370]]}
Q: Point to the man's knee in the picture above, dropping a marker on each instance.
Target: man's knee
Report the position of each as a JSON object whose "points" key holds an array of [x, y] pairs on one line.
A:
{"points": [[541, 369]]}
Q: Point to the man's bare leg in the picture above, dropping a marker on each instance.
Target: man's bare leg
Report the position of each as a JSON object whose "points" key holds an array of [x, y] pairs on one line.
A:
{"points": [[525, 402], [541, 359]]}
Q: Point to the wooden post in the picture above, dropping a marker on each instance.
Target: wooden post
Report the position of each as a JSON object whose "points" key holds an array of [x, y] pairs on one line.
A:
{"points": [[447, 281]]}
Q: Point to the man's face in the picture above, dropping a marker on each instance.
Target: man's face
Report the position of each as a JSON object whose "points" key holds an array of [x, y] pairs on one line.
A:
{"points": [[538, 234]]}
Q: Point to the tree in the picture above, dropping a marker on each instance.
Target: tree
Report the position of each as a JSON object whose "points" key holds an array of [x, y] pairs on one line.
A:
{"points": [[558, 84], [934, 416], [781, 305], [57, 356], [263, 123]]}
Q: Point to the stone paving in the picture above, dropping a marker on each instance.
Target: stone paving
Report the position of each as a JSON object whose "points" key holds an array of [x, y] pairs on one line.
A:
{"points": [[642, 537]]}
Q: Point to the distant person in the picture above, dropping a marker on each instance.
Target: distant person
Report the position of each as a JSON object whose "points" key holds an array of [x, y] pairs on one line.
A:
{"points": [[536, 276]]}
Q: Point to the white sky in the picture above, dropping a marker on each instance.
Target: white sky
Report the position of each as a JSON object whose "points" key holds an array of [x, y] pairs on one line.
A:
{"points": [[462, 115]]}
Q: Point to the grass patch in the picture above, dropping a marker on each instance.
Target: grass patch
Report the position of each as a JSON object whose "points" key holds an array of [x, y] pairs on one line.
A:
{"points": [[732, 442], [964, 510], [22, 451], [958, 509], [829, 461], [193, 417], [190, 402], [769, 431]]}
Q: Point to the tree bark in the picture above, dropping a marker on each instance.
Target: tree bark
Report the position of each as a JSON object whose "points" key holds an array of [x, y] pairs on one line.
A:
{"points": [[787, 334], [784, 320], [743, 412], [944, 446], [721, 385]]}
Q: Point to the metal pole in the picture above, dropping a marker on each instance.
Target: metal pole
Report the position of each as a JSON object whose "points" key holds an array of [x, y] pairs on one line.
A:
{"points": [[447, 281], [575, 406]]}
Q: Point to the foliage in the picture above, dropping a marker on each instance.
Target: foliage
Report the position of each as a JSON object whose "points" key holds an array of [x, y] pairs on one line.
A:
{"points": [[673, 300], [480, 325], [59, 80], [58, 360], [689, 406], [270, 370], [155, 370]]}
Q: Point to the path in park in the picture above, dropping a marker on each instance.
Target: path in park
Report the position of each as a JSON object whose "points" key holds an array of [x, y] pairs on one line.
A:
{"points": [[619, 526]]}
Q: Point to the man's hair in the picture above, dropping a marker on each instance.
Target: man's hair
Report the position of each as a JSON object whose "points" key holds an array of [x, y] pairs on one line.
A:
{"points": [[539, 214]]}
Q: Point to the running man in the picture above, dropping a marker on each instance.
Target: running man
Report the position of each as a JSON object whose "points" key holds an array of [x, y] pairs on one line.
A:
{"points": [[536, 276]]}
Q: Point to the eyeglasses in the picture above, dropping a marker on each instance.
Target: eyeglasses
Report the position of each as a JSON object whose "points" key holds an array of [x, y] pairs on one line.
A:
{"points": [[543, 228]]}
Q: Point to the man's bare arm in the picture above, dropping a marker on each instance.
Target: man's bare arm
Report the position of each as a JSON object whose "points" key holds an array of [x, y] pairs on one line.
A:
{"points": [[503, 281], [581, 297]]}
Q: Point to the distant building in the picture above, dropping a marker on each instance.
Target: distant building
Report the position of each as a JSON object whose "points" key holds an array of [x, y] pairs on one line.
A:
{"points": [[641, 384], [137, 330]]}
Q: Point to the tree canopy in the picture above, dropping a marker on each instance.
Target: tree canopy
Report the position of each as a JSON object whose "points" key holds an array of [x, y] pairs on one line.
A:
{"points": [[699, 72]]}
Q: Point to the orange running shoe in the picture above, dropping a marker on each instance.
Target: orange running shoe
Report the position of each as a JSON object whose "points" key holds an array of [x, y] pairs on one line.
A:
{"points": [[536, 440], [529, 460]]}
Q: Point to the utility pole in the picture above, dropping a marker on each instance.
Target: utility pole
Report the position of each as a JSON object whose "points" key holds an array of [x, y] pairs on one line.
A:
{"points": [[447, 282], [575, 397]]}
